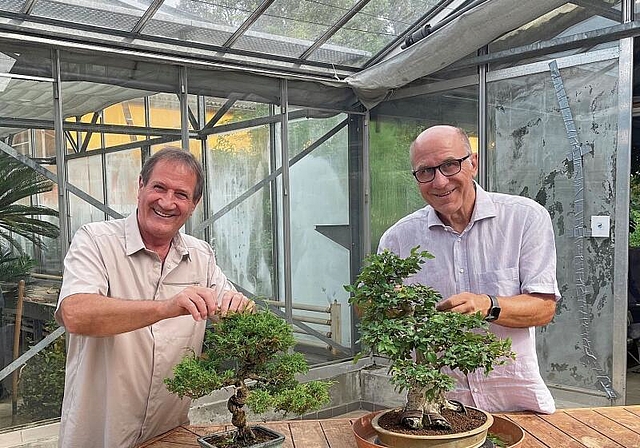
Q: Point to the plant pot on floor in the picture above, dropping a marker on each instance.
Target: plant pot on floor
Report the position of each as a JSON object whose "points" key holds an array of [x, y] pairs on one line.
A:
{"points": [[267, 438]]}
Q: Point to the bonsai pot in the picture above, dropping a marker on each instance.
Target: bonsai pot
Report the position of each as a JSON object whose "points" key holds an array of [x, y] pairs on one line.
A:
{"points": [[215, 440], [468, 439], [507, 431]]}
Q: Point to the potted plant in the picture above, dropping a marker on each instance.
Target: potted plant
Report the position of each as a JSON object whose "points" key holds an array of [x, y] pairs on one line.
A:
{"points": [[399, 321], [250, 353]]}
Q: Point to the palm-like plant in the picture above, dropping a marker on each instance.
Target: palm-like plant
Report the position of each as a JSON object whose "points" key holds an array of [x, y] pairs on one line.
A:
{"points": [[19, 182]]}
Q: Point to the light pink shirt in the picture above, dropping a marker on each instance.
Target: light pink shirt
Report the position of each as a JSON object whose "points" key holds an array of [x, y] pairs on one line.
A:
{"points": [[507, 249], [114, 392]]}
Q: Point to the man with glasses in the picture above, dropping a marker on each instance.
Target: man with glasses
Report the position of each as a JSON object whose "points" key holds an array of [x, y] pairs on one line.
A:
{"points": [[494, 254]]}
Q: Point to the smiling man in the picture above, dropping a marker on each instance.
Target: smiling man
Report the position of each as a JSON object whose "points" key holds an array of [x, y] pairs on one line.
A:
{"points": [[135, 297], [494, 254]]}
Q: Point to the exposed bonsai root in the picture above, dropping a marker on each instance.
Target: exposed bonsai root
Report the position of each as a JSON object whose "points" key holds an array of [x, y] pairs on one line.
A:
{"points": [[235, 405], [419, 414]]}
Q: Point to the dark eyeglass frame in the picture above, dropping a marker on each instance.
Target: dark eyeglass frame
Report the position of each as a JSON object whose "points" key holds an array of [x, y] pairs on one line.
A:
{"points": [[439, 168]]}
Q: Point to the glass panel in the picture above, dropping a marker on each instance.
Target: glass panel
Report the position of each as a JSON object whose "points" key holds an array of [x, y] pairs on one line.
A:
{"points": [[242, 235], [528, 156], [85, 174], [289, 27], [372, 28], [111, 15], [319, 185], [394, 125], [300, 19], [12, 5], [567, 20], [122, 172], [164, 111], [210, 22], [26, 126]]}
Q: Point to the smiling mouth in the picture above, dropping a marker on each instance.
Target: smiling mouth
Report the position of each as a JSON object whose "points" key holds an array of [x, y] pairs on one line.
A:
{"points": [[442, 195], [162, 215]]}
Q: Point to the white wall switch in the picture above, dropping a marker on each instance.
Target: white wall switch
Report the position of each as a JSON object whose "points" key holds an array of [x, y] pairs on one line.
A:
{"points": [[600, 226]]}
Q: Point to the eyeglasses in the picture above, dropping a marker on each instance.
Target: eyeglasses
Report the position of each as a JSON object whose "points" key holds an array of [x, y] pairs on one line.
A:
{"points": [[448, 169]]}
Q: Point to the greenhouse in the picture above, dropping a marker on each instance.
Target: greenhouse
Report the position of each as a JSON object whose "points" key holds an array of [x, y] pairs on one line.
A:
{"points": [[302, 113]]}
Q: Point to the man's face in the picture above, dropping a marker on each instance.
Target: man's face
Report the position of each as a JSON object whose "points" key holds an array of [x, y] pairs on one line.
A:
{"points": [[165, 202], [453, 195]]}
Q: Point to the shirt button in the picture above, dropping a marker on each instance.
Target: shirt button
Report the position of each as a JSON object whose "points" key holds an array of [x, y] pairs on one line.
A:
{"points": [[461, 270], [475, 389]]}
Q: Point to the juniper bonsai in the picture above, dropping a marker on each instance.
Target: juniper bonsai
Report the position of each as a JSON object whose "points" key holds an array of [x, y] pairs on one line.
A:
{"points": [[251, 354], [400, 322]]}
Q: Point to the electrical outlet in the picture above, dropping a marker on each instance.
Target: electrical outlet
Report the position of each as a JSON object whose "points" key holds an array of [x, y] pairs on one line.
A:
{"points": [[600, 226]]}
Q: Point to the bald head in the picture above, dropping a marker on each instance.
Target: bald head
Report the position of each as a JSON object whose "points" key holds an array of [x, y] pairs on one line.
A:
{"points": [[435, 135]]}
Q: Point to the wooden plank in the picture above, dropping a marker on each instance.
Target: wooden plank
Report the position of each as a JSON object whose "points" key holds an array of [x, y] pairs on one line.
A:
{"points": [[607, 426], [621, 415], [307, 434], [580, 431], [284, 429], [529, 441], [339, 433], [543, 431]]}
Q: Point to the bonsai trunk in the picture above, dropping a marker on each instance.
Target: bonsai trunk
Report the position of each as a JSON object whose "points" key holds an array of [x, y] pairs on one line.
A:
{"points": [[420, 413], [235, 405]]}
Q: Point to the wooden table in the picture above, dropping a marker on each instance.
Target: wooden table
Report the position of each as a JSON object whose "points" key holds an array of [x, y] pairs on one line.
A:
{"points": [[605, 427]]}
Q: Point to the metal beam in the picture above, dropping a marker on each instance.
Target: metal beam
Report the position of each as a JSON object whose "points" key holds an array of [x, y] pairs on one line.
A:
{"points": [[426, 18], [197, 53], [54, 178], [148, 15], [334, 29], [27, 8], [598, 8], [223, 110], [586, 39], [255, 15]]}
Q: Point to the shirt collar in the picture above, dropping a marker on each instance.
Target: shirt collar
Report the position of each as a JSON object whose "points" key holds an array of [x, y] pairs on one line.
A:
{"points": [[134, 243]]}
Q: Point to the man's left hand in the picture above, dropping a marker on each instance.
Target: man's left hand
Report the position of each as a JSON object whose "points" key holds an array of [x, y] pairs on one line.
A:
{"points": [[466, 303]]}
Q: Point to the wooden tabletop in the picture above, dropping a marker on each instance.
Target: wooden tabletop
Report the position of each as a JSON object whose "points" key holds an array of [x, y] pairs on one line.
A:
{"points": [[604, 427]]}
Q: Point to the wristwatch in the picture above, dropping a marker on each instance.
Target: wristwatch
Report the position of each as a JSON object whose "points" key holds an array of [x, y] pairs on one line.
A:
{"points": [[494, 309]]}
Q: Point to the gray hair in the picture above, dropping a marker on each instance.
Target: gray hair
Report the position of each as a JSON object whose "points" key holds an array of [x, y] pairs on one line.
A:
{"points": [[175, 155]]}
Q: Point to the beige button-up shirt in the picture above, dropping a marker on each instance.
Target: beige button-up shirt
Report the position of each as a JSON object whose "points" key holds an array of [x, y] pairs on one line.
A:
{"points": [[507, 249], [114, 392]]}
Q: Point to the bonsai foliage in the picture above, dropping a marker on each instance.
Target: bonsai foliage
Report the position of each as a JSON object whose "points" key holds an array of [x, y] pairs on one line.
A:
{"points": [[401, 322], [250, 352]]}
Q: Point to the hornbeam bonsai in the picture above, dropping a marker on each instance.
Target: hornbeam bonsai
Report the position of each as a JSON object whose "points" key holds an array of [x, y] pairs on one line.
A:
{"points": [[249, 352], [400, 321]]}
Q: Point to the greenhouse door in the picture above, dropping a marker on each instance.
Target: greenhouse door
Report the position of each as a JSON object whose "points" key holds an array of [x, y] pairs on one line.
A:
{"points": [[557, 133]]}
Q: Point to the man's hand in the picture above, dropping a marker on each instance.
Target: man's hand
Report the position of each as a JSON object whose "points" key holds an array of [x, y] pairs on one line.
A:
{"points": [[198, 301], [202, 303], [235, 302], [466, 303]]}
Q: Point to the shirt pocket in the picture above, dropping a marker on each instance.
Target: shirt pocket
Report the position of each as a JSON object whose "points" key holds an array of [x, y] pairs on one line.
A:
{"points": [[502, 282], [169, 289]]}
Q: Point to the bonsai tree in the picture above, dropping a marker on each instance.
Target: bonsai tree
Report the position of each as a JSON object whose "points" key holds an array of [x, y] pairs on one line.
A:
{"points": [[250, 353], [400, 322]]}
